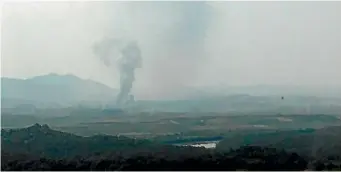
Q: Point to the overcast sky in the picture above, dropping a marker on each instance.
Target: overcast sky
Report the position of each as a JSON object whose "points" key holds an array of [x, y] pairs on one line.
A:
{"points": [[182, 44]]}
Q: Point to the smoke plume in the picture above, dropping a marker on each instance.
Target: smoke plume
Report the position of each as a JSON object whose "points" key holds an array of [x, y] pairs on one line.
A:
{"points": [[182, 46], [127, 55]]}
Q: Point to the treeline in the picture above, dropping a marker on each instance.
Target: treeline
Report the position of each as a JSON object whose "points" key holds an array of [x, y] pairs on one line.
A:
{"points": [[40, 140], [170, 158], [315, 143], [167, 158]]}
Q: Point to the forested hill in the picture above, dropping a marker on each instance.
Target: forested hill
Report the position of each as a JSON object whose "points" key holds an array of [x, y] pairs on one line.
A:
{"points": [[42, 141], [317, 143]]}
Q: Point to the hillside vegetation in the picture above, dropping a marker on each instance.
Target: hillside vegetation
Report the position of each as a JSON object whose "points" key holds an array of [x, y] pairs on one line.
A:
{"points": [[40, 148], [40, 140]]}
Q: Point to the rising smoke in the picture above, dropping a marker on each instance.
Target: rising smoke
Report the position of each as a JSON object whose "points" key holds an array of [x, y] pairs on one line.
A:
{"points": [[176, 39], [173, 40], [127, 55]]}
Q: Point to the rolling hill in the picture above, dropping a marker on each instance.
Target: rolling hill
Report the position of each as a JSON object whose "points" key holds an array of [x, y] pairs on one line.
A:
{"points": [[53, 90], [43, 141]]}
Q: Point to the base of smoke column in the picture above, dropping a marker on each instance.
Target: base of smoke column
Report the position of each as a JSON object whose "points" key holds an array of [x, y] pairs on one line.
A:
{"points": [[128, 101], [131, 100]]}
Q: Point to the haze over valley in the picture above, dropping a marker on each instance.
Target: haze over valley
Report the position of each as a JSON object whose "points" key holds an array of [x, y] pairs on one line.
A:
{"points": [[164, 85]]}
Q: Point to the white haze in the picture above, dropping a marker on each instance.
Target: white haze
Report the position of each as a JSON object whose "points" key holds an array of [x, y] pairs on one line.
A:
{"points": [[183, 44]]}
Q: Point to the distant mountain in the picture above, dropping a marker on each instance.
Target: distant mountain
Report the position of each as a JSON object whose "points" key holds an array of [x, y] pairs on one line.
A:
{"points": [[53, 89], [268, 90], [246, 104]]}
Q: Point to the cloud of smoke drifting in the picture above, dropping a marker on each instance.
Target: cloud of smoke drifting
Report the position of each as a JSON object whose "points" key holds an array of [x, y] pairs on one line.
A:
{"points": [[183, 47], [183, 43], [173, 41]]}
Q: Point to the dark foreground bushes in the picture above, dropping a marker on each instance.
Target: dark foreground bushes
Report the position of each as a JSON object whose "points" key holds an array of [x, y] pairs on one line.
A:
{"points": [[41, 148], [171, 158]]}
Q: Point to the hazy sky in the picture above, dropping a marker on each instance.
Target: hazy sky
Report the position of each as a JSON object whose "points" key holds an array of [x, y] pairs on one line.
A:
{"points": [[182, 43]]}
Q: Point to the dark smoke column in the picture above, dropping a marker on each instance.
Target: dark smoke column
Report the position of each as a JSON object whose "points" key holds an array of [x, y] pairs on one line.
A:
{"points": [[129, 55], [129, 61]]}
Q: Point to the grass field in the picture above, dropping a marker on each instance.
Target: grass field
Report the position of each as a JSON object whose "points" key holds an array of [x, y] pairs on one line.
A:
{"points": [[149, 125]]}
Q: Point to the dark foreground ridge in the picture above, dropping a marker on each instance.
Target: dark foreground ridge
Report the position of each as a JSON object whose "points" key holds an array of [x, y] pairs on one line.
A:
{"points": [[41, 148], [246, 158]]}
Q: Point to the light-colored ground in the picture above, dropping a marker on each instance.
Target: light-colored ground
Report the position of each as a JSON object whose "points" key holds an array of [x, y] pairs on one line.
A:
{"points": [[208, 145], [284, 119]]}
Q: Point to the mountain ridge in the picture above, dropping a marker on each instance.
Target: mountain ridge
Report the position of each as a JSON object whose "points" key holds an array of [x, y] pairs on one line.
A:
{"points": [[56, 89]]}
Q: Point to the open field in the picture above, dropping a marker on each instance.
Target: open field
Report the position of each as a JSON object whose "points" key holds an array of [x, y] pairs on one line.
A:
{"points": [[159, 124]]}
